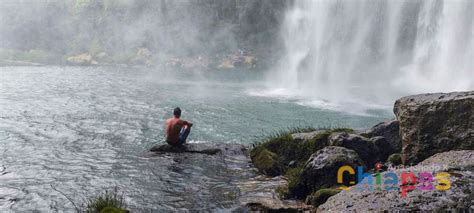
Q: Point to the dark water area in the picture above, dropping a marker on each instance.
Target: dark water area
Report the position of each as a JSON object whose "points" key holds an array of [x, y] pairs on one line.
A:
{"points": [[85, 130]]}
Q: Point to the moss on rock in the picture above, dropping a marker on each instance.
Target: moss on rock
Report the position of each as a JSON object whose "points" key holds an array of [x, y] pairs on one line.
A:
{"points": [[279, 149], [395, 159], [266, 161], [110, 209], [321, 196]]}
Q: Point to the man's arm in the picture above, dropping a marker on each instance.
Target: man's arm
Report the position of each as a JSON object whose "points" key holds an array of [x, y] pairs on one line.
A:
{"points": [[187, 123], [168, 128]]}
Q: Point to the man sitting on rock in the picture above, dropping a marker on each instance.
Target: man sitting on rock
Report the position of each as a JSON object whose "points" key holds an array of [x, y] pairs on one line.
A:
{"points": [[177, 130]]}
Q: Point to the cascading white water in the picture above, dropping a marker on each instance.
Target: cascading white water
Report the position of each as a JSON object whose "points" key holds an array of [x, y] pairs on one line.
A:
{"points": [[347, 51]]}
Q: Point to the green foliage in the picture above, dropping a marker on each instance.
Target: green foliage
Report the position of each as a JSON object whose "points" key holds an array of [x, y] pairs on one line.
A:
{"points": [[283, 192], [110, 209], [278, 149], [293, 176], [284, 148], [266, 161], [395, 159], [321, 196], [110, 202], [34, 56], [123, 57]]}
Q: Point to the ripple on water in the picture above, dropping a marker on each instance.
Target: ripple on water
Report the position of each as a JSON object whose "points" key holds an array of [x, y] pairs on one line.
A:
{"points": [[85, 130]]}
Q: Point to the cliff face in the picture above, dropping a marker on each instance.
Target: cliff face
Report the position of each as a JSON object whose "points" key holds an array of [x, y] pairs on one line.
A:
{"points": [[119, 28]]}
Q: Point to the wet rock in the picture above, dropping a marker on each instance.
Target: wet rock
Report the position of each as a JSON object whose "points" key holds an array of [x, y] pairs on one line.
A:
{"points": [[458, 198], [434, 123], [365, 148], [390, 130], [229, 182], [321, 168], [191, 148], [259, 195]]}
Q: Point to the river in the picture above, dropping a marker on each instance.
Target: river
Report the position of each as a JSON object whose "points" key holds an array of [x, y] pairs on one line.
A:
{"points": [[83, 130]]}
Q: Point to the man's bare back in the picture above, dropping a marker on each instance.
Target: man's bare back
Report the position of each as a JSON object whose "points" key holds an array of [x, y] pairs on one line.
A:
{"points": [[177, 130]]}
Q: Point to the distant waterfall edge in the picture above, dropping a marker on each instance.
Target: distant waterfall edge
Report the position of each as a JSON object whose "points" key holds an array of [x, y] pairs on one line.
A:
{"points": [[339, 52]]}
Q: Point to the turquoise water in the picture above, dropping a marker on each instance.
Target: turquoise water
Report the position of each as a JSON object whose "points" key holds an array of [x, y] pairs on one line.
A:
{"points": [[86, 129]]}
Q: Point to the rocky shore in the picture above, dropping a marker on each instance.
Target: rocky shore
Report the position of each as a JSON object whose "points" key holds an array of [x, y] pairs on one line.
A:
{"points": [[431, 135], [238, 59], [430, 131]]}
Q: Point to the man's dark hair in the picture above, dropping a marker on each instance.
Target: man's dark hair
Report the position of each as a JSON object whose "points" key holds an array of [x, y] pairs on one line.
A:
{"points": [[177, 112]]}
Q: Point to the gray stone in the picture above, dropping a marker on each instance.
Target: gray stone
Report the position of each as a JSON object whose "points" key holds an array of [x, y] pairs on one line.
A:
{"points": [[390, 130], [365, 148], [434, 123], [459, 198], [321, 168], [382, 147]]}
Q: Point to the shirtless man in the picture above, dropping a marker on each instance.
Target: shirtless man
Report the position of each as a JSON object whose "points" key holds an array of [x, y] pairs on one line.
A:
{"points": [[177, 130]]}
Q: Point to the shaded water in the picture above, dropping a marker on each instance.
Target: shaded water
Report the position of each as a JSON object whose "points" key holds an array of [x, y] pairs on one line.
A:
{"points": [[84, 130]]}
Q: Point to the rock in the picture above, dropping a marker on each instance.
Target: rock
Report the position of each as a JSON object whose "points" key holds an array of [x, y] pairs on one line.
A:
{"points": [[390, 130], [237, 60], [458, 198], [226, 63], [434, 123], [81, 59], [454, 159], [191, 148], [227, 179], [143, 57], [382, 147], [260, 194], [365, 148], [321, 168], [250, 61]]}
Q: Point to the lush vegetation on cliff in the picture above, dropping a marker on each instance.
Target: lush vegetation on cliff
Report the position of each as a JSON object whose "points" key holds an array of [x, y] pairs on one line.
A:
{"points": [[114, 31]]}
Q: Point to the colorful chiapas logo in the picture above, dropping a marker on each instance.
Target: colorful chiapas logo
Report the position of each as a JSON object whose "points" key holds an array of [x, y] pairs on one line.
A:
{"points": [[409, 180]]}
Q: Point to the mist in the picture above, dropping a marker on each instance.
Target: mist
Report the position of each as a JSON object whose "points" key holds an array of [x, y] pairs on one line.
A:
{"points": [[113, 31]]}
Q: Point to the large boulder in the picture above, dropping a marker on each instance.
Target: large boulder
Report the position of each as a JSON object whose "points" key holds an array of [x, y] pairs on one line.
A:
{"points": [[390, 130], [458, 198], [321, 168], [364, 147], [434, 123]]}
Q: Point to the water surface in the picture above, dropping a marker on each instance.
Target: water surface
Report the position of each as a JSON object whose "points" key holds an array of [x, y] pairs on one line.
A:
{"points": [[84, 130]]}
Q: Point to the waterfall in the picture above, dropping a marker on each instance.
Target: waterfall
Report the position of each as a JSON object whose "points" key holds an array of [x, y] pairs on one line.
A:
{"points": [[367, 51]]}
